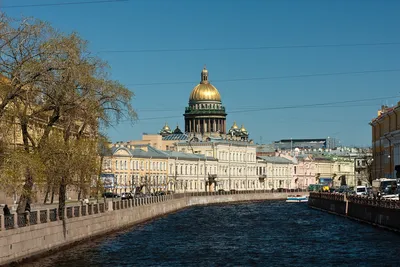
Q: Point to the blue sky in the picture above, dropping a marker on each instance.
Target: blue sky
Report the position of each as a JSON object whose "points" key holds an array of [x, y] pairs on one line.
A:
{"points": [[175, 24]]}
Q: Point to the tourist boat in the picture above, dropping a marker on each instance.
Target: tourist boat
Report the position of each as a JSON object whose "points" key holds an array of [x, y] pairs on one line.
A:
{"points": [[296, 199]]}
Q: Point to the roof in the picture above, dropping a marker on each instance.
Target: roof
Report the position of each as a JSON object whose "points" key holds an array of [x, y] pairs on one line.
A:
{"points": [[182, 155], [278, 160], [140, 153], [266, 148], [175, 137], [155, 153], [318, 140], [385, 111], [217, 142]]}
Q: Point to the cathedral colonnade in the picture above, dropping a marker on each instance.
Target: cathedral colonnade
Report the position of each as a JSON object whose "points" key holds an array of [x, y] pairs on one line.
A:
{"points": [[204, 125]]}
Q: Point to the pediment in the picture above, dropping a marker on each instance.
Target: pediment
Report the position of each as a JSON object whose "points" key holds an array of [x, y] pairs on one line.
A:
{"points": [[122, 152]]}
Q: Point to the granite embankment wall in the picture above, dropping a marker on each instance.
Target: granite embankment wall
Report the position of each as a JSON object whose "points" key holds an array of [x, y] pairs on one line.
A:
{"points": [[24, 236], [382, 213], [334, 203]]}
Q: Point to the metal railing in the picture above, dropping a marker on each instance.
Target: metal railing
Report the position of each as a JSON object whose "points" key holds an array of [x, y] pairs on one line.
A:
{"points": [[326, 195], [376, 202], [51, 215], [362, 200]]}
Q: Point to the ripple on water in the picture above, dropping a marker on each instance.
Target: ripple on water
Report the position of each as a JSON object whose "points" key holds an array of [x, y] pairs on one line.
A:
{"points": [[270, 233]]}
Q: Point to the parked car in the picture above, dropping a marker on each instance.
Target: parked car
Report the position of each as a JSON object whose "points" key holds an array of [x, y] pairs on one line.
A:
{"points": [[110, 195], [361, 190], [126, 195]]}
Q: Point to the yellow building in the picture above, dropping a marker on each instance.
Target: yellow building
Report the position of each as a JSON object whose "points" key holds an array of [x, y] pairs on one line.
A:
{"points": [[386, 142], [135, 166]]}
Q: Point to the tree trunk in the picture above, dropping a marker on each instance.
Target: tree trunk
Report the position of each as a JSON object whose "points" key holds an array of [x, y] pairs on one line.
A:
{"points": [[79, 194], [61, 198], [28, 185], [46, 196], [52, 194], [99, 178], [61, 204], [26, 192]]}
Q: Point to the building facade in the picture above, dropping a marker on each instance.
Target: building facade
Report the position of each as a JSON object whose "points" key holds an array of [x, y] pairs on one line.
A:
{"points": [[277, 172], [386, 143], [129, 167], [133, 167], [237, 163]]}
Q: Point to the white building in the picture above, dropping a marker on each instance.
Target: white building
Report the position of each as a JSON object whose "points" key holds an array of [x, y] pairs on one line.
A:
{"points": [[277, 171], [237, 163]]}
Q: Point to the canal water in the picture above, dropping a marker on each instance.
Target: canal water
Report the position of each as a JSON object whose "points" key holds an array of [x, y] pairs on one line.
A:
{"points": [[271, 233]]}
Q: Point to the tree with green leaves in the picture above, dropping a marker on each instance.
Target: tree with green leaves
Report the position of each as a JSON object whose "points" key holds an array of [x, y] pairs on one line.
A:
{"points": [[56, 87]]}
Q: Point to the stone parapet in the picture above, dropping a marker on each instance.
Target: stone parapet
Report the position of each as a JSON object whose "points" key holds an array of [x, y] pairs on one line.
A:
{"points": [[26, 235], [379, 212]]}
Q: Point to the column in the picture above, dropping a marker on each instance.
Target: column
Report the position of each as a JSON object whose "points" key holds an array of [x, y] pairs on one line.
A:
{"points": [[15, 218], [209, 126], [3, 224], [224, 125], [37, 217], [214, 126]]}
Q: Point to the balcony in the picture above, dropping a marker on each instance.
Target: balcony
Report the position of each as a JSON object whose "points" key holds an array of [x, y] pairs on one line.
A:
{"points": [[190, 110]]}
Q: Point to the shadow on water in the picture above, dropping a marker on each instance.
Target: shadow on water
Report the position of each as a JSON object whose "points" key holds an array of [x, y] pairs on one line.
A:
{"points": [[271, 233]]}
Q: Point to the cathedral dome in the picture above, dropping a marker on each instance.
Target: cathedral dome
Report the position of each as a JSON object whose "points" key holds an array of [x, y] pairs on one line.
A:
{"points": [[204, 91], [234, 126], [165, 130]]}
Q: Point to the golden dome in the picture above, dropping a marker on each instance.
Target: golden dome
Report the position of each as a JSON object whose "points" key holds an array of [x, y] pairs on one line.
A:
{"points": [[166, 127], [204, 91], [234, 126], [242, 129]]}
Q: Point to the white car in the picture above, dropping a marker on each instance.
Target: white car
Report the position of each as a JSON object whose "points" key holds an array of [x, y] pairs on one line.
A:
{"points": [[361, 190]]}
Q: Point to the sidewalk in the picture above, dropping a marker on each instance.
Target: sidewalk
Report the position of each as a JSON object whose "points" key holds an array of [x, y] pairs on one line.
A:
{"points": [[41, 206]]}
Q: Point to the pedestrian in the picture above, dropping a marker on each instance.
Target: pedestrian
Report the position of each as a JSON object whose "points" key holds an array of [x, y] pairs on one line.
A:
{"points": [[6, 211]]}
